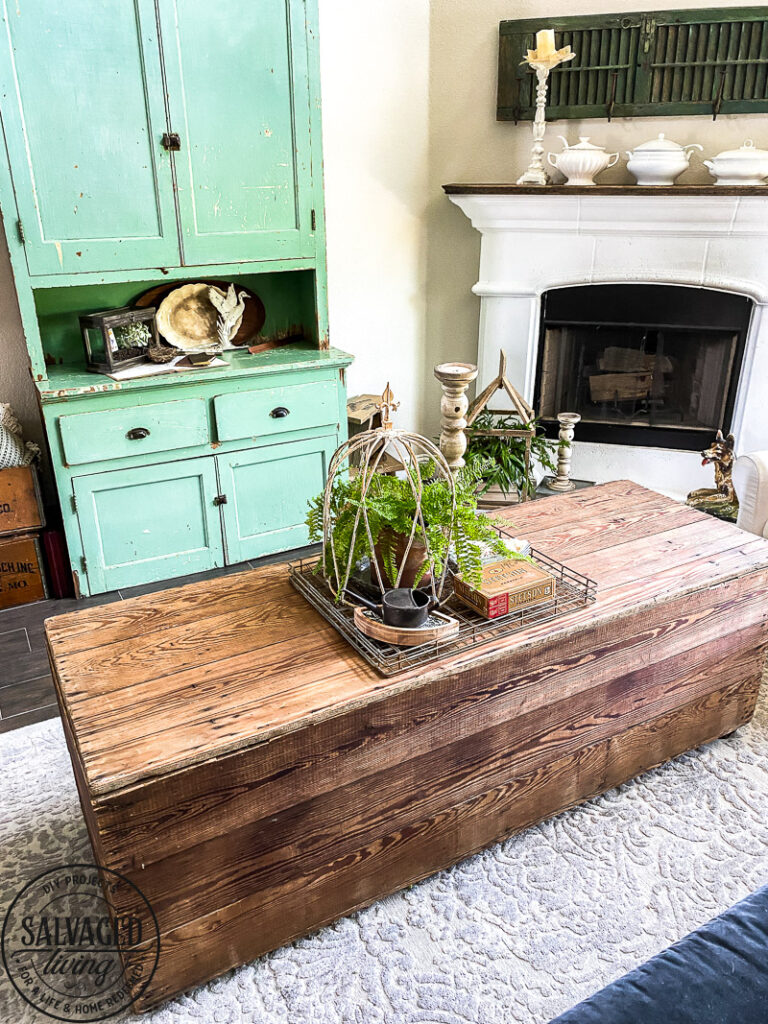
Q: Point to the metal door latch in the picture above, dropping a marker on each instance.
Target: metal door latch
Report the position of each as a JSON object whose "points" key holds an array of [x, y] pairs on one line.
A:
{"points": [[220, 499], [171, 142]]}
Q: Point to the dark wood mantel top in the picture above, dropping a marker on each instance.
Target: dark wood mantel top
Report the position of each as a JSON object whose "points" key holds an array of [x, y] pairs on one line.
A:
{"points": [[502, 189]]}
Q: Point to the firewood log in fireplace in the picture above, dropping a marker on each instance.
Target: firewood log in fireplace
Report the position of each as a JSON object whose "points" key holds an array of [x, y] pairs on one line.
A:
{"points": [[620, 387]]}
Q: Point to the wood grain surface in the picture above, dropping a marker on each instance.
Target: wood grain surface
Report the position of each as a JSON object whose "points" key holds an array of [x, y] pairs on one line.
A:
{"points": [[256, 779]]}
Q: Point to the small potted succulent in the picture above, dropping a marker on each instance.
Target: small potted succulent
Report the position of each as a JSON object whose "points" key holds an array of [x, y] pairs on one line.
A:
{"points": [[118, 338], [461, 533]]}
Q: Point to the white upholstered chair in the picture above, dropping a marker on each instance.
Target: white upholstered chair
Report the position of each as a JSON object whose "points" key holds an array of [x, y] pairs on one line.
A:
{"points": [[750, 480]]}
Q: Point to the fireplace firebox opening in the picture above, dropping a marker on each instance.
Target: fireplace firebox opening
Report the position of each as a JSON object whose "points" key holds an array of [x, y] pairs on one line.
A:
{"points": [[654, 365]]}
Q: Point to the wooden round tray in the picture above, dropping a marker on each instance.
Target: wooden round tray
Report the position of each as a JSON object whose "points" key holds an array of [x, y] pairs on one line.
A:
{"points": [[377, 630]]}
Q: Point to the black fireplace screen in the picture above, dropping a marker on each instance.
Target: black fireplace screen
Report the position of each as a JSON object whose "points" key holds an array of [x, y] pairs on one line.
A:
{"points": [[642, 364]]}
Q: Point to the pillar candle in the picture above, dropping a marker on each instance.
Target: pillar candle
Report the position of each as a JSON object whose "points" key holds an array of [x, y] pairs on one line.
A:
{"points": [[545, 42]]}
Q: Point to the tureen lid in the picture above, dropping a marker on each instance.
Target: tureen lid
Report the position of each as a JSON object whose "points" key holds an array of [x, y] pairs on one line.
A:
{"points": [[659, 145], [748, 150], [583, 143]]}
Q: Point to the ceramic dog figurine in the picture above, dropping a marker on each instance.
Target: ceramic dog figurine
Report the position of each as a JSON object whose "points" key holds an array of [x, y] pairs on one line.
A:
{"points": [[720, 501]]}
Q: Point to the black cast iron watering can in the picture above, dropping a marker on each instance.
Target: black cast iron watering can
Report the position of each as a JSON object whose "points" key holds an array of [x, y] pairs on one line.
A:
{"points": [[401, 607]]}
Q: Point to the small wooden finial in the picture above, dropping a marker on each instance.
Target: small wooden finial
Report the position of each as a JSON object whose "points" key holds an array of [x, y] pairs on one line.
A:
{"points": [[386, 407]]}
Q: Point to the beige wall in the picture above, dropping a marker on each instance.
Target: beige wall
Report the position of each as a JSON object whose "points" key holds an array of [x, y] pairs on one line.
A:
{"points": [[467, 144], [375, 84]]}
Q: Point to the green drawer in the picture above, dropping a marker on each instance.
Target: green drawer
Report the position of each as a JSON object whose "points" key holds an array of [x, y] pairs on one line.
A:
{"points": [[119, 433], [269, 411]]}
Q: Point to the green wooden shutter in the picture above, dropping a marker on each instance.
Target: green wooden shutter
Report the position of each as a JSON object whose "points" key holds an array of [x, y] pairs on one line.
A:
{"points": [[635, 65]]}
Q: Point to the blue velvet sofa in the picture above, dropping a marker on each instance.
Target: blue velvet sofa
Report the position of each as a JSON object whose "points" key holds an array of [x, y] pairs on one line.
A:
{"points": [[716, 975]]}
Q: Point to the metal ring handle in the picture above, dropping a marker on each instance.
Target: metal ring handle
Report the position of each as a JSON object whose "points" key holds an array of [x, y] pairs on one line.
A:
{"points": [[137, 433], [279, 413]]}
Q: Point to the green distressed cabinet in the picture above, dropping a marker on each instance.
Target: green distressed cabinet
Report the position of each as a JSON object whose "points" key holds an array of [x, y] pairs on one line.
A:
{"points": [[171, 140]]}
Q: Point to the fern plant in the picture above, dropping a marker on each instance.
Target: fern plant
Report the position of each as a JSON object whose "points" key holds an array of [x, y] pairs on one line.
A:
{"points": [[504, 457], [391, 508]]}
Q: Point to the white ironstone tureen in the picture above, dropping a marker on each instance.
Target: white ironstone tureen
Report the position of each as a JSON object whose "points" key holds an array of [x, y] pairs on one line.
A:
{"points": [[744, 166], [659, 161]]}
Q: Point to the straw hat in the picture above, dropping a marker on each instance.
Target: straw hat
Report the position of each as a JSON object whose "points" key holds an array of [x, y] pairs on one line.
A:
{"points": [[187, 319]]}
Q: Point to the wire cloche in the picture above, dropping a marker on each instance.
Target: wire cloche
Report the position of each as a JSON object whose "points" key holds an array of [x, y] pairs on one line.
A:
{"points": [[369, 470]]}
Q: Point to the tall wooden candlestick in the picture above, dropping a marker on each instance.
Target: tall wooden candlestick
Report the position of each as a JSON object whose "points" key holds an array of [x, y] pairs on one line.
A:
{"points": [[455, 378], [563, 482], [543, 59], [536, 174]]}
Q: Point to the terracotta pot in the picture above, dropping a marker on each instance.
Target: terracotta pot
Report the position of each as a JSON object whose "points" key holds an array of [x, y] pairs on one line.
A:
{"points": [[413, 563]]}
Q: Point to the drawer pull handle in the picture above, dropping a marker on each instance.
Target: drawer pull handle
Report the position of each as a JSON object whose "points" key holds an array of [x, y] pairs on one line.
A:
{"points": [[279, 413], [137, 433]]}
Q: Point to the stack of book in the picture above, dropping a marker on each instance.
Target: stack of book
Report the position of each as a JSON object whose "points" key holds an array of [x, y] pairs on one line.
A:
{"points": [[508, 585]]}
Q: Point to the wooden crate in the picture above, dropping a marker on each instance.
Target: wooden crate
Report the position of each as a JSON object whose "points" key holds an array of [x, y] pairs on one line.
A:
{"points": [[257, 779], [22, 578], [21, 509]]}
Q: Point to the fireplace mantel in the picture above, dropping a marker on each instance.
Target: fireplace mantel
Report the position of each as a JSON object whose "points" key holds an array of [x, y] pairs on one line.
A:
{"points": [[539, 237], [507, 189]]}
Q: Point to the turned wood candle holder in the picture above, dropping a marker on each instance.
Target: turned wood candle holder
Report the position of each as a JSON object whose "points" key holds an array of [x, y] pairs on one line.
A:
{"points": [[454, 379], [563, 482]]}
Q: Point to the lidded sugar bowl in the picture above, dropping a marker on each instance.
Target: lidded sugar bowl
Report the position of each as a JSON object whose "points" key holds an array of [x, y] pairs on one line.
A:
{"points": [[581, 163]]}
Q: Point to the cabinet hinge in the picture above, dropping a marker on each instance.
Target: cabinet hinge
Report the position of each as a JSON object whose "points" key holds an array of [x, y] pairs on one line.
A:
{"points": [[73, 499], [314, 221], [84, 564], [20, 227], [220, 499]]}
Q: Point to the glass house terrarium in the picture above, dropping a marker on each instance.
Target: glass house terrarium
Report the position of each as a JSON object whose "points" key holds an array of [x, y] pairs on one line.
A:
{"points": [[117, 338]]}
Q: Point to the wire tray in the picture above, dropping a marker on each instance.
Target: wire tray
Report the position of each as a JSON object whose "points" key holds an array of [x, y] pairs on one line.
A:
{"points": [[573, 591]]}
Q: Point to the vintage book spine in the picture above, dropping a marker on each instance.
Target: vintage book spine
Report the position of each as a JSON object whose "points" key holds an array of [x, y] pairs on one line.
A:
{"points": [[494, 605]]}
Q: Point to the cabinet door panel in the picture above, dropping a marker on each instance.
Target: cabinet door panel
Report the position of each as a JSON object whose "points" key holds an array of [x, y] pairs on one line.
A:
{"points": [[239, 99], [83, 114], [147, 524], [267, 491]]}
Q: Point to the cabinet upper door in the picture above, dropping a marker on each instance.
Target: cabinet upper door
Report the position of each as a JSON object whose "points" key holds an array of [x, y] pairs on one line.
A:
{"points": [[83, 113], [238, 88]]}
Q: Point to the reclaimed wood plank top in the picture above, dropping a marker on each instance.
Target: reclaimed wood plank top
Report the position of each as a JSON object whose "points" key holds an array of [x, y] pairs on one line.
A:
{"points": [[157, 683]]}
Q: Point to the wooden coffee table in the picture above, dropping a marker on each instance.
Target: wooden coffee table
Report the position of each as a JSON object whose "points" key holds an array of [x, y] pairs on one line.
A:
{"points": [[256, 779]]}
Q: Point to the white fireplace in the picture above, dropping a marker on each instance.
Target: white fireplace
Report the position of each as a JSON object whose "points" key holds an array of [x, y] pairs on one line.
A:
{"points": [[534, 241]]}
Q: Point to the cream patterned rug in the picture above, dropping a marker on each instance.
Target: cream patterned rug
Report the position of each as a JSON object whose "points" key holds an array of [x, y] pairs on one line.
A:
{"points": [[514, 935]]}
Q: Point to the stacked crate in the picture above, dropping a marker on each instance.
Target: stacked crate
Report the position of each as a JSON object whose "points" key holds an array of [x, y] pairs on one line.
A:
{"points": [[22, 579]]}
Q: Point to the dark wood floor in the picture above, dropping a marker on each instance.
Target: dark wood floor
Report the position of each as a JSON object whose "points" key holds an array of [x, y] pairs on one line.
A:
{"points": [[26, 687]]}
